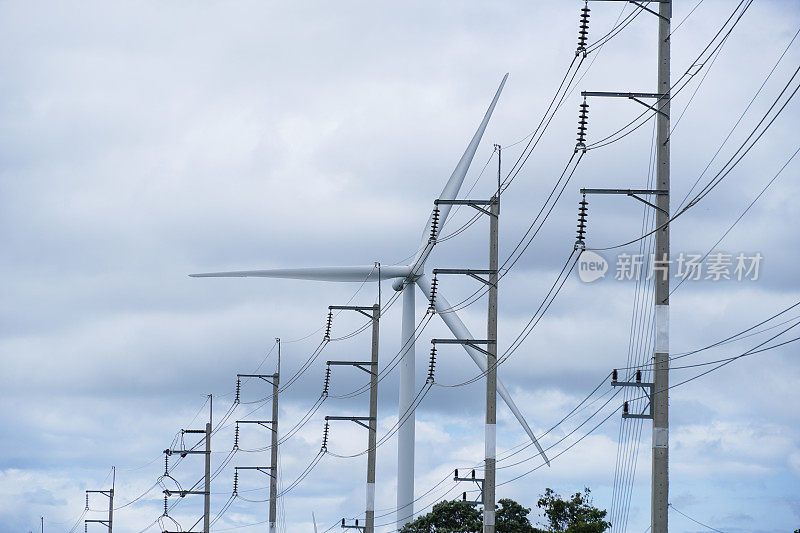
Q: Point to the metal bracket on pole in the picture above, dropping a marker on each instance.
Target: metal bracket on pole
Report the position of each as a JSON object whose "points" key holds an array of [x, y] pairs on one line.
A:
{"points": [[356, 419], [183, 493], [477, 480], [359, 308], [358, 364], [647, 388], [471, 272], [474, 343], [184, 453], [631, 96], [633, 193], [265, 377], [345, 525], [263, 469], [642, 6], [472, 203], [269, 424]]}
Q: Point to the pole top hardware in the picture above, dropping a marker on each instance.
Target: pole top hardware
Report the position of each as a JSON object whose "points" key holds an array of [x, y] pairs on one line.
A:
{"points": [[476, 204], [633, 193], [474, 343]]}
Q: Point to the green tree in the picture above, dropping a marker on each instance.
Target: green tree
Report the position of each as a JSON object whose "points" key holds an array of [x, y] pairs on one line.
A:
{"points": [[447, 517], [457, 516], [573, 515], [512, 517]]}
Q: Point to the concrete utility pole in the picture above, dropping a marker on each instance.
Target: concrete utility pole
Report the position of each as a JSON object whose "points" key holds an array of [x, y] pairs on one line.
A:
{"points": [[659, 388], [109, 523], [373, 422], [206, 492], [273, 480], [371, 368], [207, 486], [111, 500], [491, 371], [490, 444], [272, 470], [660, 400]]}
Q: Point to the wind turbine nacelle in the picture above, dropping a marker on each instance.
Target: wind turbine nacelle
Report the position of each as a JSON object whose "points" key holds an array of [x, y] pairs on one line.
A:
{"points": [[399, 283]]}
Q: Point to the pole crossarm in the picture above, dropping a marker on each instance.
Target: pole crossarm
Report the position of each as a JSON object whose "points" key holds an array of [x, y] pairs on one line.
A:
{"points": [[633, 193], [357, 419], [269, 424], [471, 272], [477, 480], [359, 308], [183, 493], [106, 492], [358, 364], [184, 453], [476, 204], [263, 469], [642, 6], [647, 388], [266, 377], [623, 191], [636, 97], [474, 343], [612, 94], [104, 522]]}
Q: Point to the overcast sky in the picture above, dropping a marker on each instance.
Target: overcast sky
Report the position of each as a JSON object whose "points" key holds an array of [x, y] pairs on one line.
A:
{"points": [[143, 141]]}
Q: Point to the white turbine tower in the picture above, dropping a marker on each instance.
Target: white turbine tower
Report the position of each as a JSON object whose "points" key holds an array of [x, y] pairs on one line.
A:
{"points": [[405, 277]]}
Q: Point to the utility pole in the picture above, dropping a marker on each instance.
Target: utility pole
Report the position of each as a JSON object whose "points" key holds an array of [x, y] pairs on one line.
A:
{"points": [[491, 281], [109, 523], [660, 482], [207, 485], [491, 366], [371, 367], [373, 422], [273, 482], [659, 388], [272, 470], [183, 452]]}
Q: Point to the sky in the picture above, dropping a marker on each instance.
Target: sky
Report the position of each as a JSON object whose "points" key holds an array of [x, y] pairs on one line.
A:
{"points": [[144, 141]]}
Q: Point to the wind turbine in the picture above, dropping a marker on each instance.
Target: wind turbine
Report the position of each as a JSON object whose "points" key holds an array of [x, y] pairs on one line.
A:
{"points": [[405, 277]]}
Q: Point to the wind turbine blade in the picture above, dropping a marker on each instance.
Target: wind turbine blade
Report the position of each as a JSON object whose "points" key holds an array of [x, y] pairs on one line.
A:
{"points": [[314, 518], [453, 185], [354, 273], [460, 331]]}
